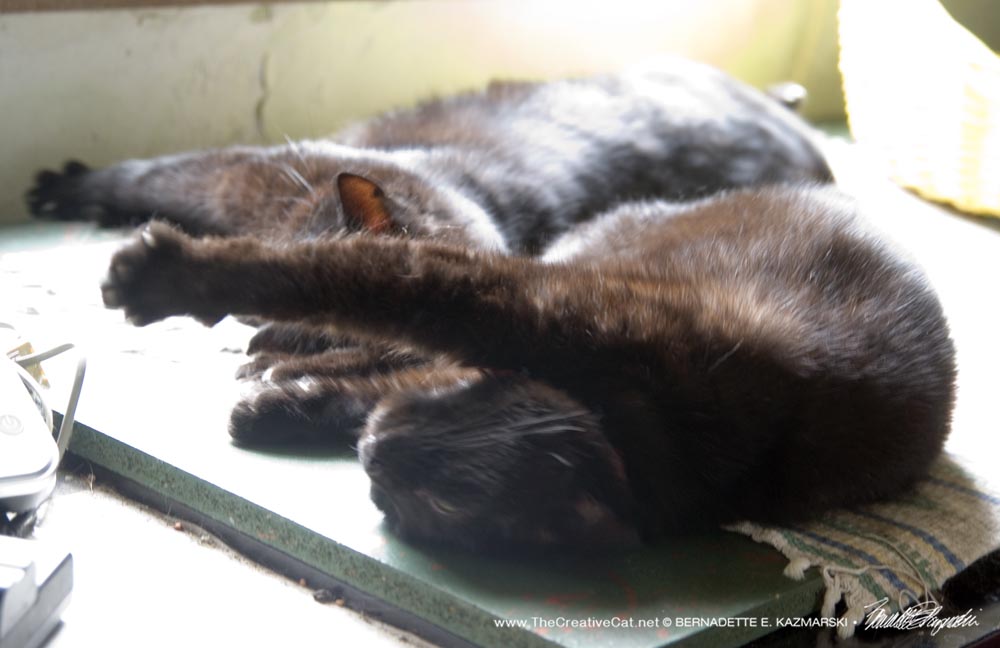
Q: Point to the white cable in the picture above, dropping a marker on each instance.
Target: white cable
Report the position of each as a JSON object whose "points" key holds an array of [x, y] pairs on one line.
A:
{"points": [[69, 416]]}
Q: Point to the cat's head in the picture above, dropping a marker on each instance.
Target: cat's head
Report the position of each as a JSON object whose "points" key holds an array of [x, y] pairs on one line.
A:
{"points": [[504, 463]]}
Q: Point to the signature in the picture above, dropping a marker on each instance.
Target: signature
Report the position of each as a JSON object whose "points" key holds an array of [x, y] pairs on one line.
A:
{"points": [[921, 615]]}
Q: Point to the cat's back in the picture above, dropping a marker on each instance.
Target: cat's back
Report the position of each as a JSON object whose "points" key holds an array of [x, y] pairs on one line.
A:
{"points": [[698, 121], [541, 157], [798, 270], [840, 328], [786, 233], [796, 340]]}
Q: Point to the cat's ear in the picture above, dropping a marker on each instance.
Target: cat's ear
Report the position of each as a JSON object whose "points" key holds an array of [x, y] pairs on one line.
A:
{"points": [[364, 204]]}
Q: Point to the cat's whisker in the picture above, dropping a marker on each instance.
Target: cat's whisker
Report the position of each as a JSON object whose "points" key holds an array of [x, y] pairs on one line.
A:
{"points": [[297, 177]]}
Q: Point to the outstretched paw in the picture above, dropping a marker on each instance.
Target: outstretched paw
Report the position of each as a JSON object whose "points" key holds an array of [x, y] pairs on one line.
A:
{"points": [[154, 277], [60, 194]]}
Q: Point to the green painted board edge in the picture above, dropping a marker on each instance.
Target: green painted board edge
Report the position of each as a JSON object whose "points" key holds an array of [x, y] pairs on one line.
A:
{"points": [[397, 589], [314, 550]]}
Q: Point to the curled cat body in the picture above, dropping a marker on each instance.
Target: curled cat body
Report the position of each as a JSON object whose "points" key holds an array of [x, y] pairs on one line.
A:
{"points": [[572, 314]]}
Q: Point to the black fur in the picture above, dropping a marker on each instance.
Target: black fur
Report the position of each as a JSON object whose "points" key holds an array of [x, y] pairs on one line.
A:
{"points": [[536, 358]]}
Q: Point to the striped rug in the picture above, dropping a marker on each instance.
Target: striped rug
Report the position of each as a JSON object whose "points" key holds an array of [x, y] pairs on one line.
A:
{"points": [[900, 551]]}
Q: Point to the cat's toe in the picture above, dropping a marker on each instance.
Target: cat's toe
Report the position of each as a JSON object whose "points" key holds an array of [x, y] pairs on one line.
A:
{"points": [[120, 288], [45, 182], [124, 265], [40, 198], [57, 194], [295, 410], [247, 371], [75, 168], [258, 368], [77, 193], [110, 295], [147, 278], [149, 239], [267, 414]]}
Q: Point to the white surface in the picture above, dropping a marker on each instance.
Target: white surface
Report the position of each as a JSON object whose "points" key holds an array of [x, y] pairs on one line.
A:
{"points": [[141, 582]]}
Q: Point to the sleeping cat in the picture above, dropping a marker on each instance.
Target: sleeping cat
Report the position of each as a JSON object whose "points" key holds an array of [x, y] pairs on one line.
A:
{"points": [[752, 355], [509, 168], [538, 358]]}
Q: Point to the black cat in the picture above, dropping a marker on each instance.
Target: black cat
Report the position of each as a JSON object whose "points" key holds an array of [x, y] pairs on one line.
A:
{"points": [[508, 168], [541, 375]]}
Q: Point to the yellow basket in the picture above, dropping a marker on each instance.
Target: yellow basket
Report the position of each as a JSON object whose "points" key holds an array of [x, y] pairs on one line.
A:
{"points": [[923, 95]]}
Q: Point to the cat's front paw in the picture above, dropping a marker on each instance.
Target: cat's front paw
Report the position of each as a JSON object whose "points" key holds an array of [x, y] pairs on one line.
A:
{"points": [[259, 365], [154, 277], [60, 195], [296, 410]]}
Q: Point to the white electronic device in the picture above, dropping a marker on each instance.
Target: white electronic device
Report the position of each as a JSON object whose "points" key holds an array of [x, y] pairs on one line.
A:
{"points": [[36, 578], [29, 454]]}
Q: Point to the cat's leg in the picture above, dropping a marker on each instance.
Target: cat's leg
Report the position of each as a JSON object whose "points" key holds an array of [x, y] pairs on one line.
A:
{"points": [[361, 360], [298, 389], [485, 310], [291, 345], [296, 338], [178, 188], [500, 462], [220, 192], [277, 342], [315, 406]]}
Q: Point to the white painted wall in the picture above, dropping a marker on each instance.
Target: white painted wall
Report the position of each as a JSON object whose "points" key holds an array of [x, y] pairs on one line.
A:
{"points": [[105, 85]]}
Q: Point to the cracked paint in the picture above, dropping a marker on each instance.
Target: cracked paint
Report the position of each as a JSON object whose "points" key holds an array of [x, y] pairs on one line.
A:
{"points": [[260, 106]]}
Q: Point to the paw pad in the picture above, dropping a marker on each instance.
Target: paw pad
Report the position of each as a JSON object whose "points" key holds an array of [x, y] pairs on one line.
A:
{"points": [[58, 194]]}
